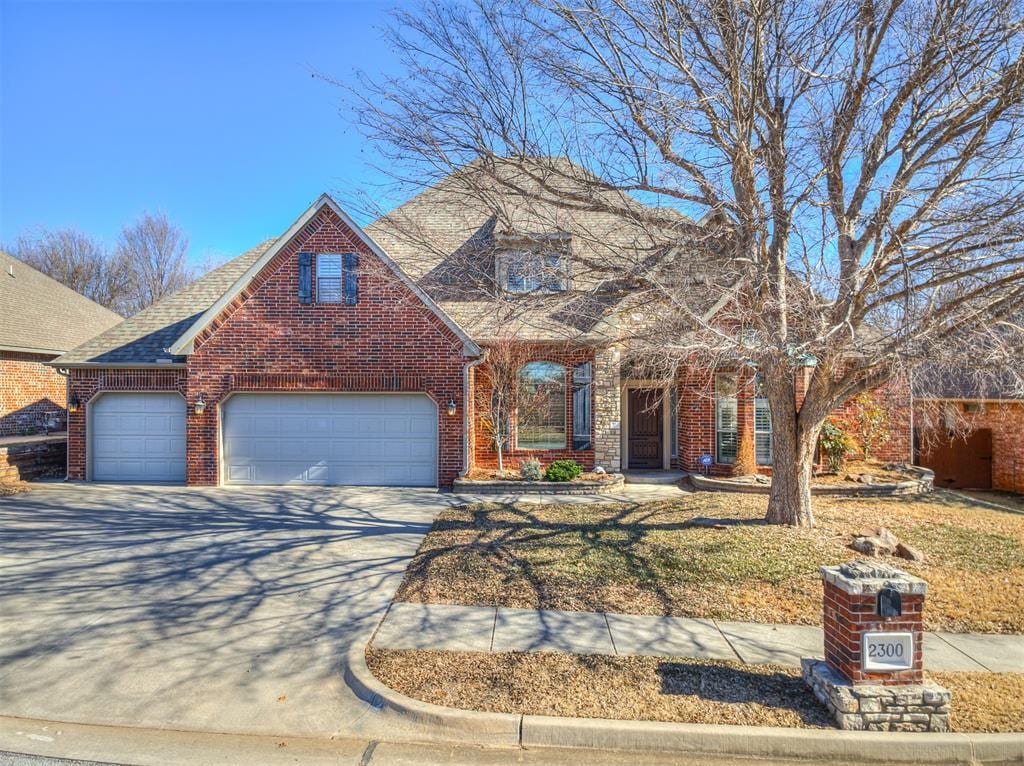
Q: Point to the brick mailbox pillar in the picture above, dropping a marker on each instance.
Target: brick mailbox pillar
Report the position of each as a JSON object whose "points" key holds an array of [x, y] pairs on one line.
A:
{"points": [[872, 676]]}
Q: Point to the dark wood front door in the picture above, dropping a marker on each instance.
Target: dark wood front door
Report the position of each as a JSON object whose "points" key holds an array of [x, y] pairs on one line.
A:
{"points": [[645, 428], [962, 462]]}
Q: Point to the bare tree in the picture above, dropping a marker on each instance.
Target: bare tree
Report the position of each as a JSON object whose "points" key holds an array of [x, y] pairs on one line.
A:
{"points": [[153, 252], [76, 260], [846, 173]]}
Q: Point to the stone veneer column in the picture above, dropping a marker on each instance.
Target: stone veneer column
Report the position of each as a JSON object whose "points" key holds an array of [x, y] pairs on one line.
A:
{"points": [[607, 409]]}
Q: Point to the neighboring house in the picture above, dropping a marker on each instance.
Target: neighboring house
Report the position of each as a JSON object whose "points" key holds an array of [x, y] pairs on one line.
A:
{"points": [[39, 319], [990, 454], [334, 355]]}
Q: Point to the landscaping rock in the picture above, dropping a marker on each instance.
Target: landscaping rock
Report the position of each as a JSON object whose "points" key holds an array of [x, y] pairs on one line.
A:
{"points": [[909, 552]]}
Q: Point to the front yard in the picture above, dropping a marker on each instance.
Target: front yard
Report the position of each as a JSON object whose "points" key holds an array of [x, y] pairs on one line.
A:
{"points": [[709, 555], [660, 689]]}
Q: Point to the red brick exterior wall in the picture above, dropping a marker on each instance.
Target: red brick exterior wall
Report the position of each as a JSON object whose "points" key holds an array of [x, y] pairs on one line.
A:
{"points": [[894, 397], [846, 617], [696, 414], [484, 454], [1006, 421], [31, 394], [86, 385], [266, 340]]}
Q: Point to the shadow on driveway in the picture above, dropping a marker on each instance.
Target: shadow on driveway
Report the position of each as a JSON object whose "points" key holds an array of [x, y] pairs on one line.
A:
{"points": [[205, 609]]}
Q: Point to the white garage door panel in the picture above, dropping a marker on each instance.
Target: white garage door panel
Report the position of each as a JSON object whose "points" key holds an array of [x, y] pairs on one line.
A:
{"points": [[138, 437], [342, 439]]}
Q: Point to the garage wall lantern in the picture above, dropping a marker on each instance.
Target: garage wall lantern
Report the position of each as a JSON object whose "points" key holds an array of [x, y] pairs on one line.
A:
{"points": [[74, 404], [200, 405], [451, 406]]}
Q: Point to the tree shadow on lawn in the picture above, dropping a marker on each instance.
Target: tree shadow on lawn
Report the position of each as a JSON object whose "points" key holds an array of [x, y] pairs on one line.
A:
{"points": [[761, 685], [521, 546]]}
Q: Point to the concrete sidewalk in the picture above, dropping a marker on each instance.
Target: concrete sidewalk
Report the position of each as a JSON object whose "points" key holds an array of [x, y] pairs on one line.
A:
{"points": [[490, 629]]}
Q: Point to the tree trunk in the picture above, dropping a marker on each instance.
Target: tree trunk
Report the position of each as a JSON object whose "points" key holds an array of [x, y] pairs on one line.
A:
{"points": [[793, 447]]}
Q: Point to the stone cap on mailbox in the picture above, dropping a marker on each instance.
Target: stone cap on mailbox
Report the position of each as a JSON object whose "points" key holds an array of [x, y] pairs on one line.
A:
{"points": [[868, 577]]}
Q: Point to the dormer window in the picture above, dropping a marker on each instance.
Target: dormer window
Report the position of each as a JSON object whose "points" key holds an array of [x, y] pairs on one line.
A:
{"points": [[527, 271]]}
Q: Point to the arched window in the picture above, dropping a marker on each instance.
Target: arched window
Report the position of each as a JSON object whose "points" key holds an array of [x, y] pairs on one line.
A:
{"points": [[540, 406]]}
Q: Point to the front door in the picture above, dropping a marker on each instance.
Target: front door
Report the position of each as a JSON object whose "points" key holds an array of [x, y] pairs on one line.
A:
{"points": [[645, 428]]}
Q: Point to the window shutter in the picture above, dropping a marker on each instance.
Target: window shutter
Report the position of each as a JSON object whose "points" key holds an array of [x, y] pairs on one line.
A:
{"points": [[305, 277], [582, 383], [351, 278]]}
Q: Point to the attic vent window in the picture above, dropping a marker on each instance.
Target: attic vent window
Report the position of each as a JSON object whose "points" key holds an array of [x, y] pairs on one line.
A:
{"points": [[525, 271]]}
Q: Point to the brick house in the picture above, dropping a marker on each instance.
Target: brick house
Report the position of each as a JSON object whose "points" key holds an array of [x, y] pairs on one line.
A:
{"points": [[40, 319], [990, 455], [337, 355]]}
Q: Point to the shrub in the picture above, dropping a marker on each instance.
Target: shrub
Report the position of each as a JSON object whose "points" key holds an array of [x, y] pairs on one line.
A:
{"points": [[563, 470], [870, 424], [835, 443], [530, 470]]}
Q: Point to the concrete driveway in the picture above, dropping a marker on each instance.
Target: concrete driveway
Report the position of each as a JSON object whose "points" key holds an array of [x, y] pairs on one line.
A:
{"points": [[197, 609]]}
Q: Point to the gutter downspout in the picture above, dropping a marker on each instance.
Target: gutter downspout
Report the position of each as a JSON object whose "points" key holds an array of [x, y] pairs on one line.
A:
{"points": [[66, 374], [466, 406]]}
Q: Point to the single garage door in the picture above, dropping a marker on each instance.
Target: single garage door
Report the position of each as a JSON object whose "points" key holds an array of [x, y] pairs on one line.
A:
{"points": [[138, 437], [353, 439]]}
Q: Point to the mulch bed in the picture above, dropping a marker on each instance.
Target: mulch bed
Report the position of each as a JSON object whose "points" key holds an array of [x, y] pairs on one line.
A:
{"points": [[659, 689], [654, 558]]}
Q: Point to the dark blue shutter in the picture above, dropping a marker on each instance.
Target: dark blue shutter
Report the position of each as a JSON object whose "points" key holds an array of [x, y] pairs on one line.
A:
{"points": [[351, 277], [305, 277], [582, 383]]}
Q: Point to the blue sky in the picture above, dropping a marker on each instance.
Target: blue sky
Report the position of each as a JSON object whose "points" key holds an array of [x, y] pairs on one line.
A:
{"points": [[208, 111]]}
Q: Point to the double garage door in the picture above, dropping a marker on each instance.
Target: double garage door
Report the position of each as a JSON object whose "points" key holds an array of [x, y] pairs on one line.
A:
{"points": [[324, 439]]}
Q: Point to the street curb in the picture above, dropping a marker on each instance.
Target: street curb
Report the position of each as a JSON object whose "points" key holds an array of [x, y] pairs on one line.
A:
{"points": [[475, 727], [495, 729]]}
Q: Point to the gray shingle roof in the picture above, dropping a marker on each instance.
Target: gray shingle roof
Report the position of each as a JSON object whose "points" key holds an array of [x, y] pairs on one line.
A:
{"points": [[446, 239], [39, 313], [142, 339], [931, 382]]}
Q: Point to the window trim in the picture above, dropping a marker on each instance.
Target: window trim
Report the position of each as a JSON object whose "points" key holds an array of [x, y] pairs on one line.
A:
{"points": [[563, 392], [761, 404], [719, 399], [536, 271], [340, 279]]}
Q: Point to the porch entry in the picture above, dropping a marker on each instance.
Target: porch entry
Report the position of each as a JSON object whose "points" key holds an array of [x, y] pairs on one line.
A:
{"points": [[645, 428]]}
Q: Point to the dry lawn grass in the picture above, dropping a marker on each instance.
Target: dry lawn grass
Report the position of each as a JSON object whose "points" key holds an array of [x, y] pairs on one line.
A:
{"points": [[985, 701], [659, 689], [8, 488], [650, 559], [594, 686]]}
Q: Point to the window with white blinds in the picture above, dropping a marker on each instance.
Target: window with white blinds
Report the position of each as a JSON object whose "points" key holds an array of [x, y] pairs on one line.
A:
{"points": [[725, 418], [762, 423], [328, 278]]}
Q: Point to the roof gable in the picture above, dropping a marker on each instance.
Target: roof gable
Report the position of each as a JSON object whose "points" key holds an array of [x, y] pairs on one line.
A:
{"points": [[183, 344]]}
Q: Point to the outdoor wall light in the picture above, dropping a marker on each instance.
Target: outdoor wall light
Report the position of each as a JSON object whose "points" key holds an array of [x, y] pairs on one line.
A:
{"points": [[451, 407], [74, 405], [200, 405]]}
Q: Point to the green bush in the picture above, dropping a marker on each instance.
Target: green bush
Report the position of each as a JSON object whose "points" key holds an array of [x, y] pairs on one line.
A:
{"points": [[530, 470], [835, 443], [563, 470]]}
